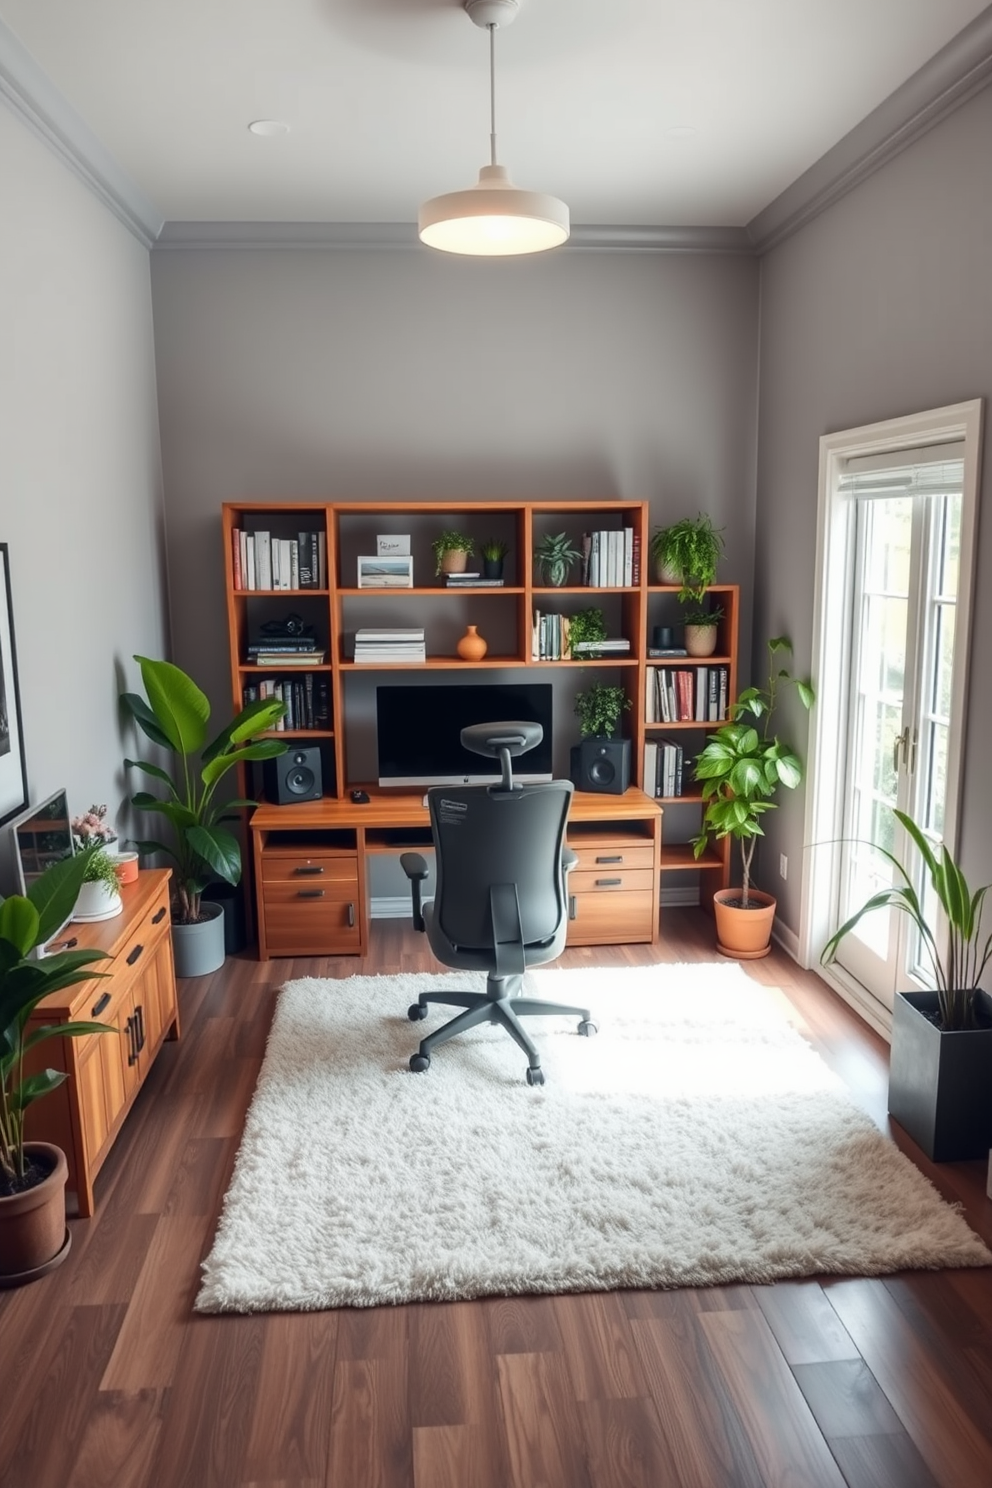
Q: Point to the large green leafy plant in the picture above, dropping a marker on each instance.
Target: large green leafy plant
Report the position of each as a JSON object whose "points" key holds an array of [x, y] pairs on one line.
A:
{"points": [[176, 717], [691, 548], [26, 923], [599, 710], [743, 765], [959, 971]]}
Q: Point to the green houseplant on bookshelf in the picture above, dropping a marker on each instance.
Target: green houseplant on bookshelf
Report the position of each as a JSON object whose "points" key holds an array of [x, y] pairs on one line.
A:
{"points": [[601, 760], [175, 717], [585, 628], [493, 552], [701, 623], [687, 553], [556, 558], [451, 552], [940, 1063], [33, 1234], [740, 769]]}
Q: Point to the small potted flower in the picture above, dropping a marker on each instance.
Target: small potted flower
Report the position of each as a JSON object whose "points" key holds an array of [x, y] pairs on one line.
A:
{"points": [[493, 552], [451, 552], [100, 895], [92, 829]]}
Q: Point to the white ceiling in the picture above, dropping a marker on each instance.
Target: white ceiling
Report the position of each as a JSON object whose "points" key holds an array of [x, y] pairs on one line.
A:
{"points": [[388, 99]]}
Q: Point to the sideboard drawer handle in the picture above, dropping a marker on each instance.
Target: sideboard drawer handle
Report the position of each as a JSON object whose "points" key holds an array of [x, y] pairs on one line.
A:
{"points": [[309, 868], [608, 883], [351, 916], [310, 893], [135, 954], [572, 907], [617, 859], [158, 918], [99, 1005]]}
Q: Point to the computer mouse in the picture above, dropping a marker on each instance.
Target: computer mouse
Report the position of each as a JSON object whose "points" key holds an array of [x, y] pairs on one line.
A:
{"points": [[360, 797]]}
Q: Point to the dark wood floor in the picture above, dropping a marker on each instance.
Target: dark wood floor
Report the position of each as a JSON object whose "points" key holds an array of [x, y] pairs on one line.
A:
{"points": [[107, 1377]]}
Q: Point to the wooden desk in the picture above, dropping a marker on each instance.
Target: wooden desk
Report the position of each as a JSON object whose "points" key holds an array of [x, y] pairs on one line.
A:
{"points": [[311, 868]]}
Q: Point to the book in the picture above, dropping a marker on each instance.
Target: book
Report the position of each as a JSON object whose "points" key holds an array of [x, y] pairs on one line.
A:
{"points": [[667, 651], [250, 569], [236, 558], [412, 633], [307, 545], [289, 658], [458, 581], [608, 645], [321, 560], [650, 769], [282, 643], [263, 559]]}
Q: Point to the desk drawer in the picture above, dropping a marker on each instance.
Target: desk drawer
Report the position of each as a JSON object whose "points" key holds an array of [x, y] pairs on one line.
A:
{"points": [[607, 880], [284, 866], [605, 859], [311, 917], [612, 919]]}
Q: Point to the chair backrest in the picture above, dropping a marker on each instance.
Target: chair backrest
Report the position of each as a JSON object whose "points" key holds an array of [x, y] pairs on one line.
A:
{"points": [[486, 836]]}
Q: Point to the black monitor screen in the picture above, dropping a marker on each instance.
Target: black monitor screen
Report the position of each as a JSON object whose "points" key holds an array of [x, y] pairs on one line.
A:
{"points": [[418, 731]]}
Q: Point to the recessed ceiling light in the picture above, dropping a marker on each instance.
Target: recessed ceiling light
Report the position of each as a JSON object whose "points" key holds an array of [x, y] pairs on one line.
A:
{"points": [[681, 131], [268, 126]]}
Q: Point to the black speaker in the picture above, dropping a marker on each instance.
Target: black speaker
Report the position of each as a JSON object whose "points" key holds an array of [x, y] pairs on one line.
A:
{"points": [[293, 776], [602, 765]]}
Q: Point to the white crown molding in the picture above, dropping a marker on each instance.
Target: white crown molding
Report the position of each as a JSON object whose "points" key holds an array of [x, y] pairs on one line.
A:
{"points": [[365, 235], [953, 75], [33, 98]]}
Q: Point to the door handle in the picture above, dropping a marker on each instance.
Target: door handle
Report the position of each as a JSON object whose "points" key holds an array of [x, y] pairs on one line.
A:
{"points": [[901, 741], [351, 916]]}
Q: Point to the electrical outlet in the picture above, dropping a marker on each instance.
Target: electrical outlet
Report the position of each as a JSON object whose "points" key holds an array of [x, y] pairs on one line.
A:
{"points": [[783, 866]]}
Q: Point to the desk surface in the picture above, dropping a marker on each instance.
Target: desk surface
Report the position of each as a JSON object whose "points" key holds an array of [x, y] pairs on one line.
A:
{"points": [[398, 808]]}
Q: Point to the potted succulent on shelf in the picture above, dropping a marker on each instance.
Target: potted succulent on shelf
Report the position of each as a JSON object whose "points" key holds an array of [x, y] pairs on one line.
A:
{"points": [[555, 558], [33, 1234], [175, 717], [740, 769], [99, 897], [687, 553], [493, 553], [940, 1064], [601, 761], [451, 552], [701, 624]]}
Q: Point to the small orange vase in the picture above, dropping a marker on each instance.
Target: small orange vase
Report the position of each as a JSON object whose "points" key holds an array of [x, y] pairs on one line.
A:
{"points": [[472, 647]]}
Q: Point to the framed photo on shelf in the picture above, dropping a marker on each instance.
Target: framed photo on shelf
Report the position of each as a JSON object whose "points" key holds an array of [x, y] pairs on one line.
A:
{"points": [[386, 573], [13, 776]]}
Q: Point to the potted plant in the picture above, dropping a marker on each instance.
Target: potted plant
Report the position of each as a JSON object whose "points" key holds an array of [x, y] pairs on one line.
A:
{"points": [[175, 717], [740, 769], [99, 897], [33, 1234], [91, 829], [451, 551], [493, 553], [701, 625], [601, 761], [687, 553], [585, 628], [940, 1064], [555, 558]]}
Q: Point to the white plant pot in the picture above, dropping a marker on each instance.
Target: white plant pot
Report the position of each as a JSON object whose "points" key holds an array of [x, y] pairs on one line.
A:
{"points": [[96, 902], [199, 949]]}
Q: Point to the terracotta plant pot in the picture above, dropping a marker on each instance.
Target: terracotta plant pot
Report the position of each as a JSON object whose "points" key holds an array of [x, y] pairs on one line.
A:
{"points": [[472, 647], [700, 640], [34, 1238], [744, 934]]}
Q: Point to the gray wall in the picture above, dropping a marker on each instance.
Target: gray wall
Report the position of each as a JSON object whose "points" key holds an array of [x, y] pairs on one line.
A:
{"points": [[881, 306], [404, 375], [80, 498]]}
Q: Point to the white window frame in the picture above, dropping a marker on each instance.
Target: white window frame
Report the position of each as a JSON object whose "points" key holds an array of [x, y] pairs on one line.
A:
{"points": [[835, 559]]}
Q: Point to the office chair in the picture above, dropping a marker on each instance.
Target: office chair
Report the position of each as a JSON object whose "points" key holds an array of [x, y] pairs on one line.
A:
{"points": [[500, 903]]}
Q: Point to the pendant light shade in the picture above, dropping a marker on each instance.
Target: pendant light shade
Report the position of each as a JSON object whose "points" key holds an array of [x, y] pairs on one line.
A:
{"points": [[493, 218]]}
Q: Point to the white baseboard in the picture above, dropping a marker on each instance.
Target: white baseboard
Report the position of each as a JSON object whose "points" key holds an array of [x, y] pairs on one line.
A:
{"points": [[787, 939], [396, 907]]}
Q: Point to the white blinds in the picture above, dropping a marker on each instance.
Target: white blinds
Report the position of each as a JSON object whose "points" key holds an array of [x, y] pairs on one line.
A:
{"points": [[930, 470]]}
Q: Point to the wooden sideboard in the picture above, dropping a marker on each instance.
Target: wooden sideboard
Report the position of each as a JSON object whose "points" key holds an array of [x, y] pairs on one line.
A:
{"points": [[311, 864], [136, 998]]}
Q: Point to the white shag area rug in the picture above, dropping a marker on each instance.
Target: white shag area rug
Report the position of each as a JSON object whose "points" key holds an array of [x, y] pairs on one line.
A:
{"points": [[697, 1139]]}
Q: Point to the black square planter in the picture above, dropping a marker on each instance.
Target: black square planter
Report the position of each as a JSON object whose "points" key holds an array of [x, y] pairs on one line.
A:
{"points": [[940, 1083]]}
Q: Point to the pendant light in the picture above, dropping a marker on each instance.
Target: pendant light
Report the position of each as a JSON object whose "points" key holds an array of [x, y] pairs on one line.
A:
{"points": [[495, 217]]}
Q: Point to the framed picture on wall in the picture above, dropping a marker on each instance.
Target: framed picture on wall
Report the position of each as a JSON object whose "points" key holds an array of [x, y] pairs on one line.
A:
{"points": [[13, 776]]}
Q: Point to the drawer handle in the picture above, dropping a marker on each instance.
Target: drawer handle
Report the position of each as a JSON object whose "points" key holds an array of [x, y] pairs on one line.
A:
{"points": [[132, 1050], [351, 916], [158, 918], [135, 954], [310, 868], [99, 1005], [617, 859], [572, 907], [608, 883], [310, 894]]}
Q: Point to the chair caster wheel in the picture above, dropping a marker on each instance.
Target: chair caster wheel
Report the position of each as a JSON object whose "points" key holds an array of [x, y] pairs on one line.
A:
{"points": [[535, 1076], [419, 1063], [587, 1028], [415, 1012]]}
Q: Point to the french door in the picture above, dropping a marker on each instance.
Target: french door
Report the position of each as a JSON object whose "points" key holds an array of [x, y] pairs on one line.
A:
{"points": [[895, 560]]}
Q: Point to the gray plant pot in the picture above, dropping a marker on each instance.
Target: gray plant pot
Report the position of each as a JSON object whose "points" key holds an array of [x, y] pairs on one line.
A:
{"points": [[199, 949], [940, 1083]]}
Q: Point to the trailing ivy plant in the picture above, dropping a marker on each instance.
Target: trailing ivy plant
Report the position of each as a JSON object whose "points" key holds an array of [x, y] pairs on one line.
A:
{"points": [[691, 548]]}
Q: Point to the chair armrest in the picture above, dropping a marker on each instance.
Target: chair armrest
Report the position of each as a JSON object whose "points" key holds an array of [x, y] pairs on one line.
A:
{"points": [[414, 865], [568, 859]]}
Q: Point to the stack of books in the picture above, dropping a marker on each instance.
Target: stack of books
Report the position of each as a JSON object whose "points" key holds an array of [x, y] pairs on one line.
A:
{"points": [[471, 581], [610, 647], [385, 647], [611, 560], [307, 699], [263, 561], [284, 651]]}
